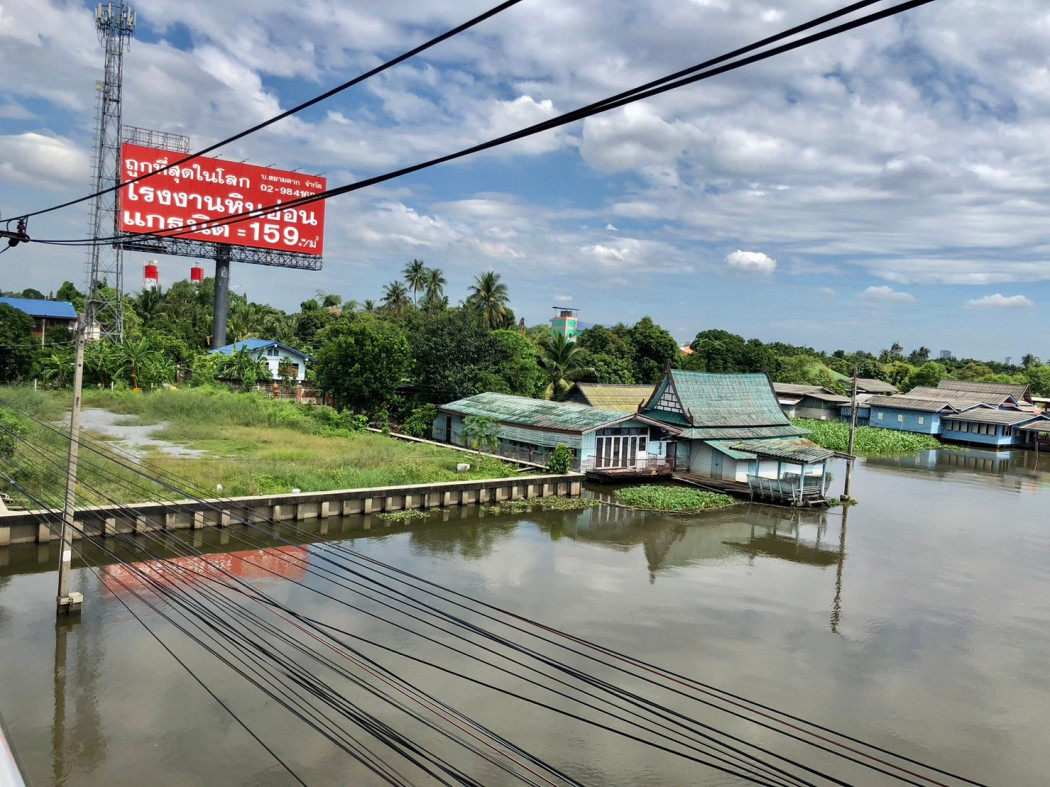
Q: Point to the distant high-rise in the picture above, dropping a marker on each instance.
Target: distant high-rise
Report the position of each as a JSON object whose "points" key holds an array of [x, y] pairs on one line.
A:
{"points": [[946, 355]]}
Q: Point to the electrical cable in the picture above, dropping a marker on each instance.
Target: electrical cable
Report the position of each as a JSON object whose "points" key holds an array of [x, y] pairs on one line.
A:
{"points": [[627, 97], [293, 111]]}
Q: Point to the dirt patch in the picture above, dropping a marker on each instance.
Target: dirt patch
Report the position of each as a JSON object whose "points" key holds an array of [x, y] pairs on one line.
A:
{"points": [[133, 439]]}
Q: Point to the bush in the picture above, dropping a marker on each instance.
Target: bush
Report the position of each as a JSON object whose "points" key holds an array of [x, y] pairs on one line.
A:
{"points": [[671, 498], [421, 422], [560, 461], [869, 440]]}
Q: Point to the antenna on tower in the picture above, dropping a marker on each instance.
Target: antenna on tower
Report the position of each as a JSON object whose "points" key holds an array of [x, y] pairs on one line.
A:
{"points": [[115, 24]]}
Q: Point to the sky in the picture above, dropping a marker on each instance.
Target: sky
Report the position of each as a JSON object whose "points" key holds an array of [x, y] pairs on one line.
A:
{"points": [[889, 184]]}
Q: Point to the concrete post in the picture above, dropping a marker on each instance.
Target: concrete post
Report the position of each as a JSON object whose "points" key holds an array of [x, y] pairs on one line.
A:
{"points": [[222, 296]]}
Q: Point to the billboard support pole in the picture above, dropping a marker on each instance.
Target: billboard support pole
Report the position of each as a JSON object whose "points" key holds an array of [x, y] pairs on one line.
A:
{"points": [[222, 297]]}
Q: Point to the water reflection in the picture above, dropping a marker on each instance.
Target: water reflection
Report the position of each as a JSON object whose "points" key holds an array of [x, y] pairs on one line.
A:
{"points": [[1013, 470]]}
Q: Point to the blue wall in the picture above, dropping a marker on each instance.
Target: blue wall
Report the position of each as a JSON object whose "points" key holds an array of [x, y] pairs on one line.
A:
{"points": [[906, 420], [999, 439]]}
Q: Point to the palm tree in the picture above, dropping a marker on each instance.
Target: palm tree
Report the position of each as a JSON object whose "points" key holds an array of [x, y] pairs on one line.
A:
{"points": [[434, 284], [562, 362], [149, 304], [368, 306], [480, 431], [395, 298], [415, 277], [489, 296]]}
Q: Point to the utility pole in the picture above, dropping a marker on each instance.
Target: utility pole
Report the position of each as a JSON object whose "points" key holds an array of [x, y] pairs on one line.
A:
{"points": [[70, 603], [852, 435]]}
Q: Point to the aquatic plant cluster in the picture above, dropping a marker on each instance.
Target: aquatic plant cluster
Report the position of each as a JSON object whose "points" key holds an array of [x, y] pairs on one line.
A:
{"points": [[671, 498], [550, 503], [869, 440]]}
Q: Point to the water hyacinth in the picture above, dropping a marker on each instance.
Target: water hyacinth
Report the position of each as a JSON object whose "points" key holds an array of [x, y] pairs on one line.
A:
{"points": [[671, 498], [870, 440]]}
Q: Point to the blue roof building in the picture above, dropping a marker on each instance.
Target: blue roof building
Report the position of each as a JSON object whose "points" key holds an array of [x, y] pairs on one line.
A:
{"points": [[48, 314]]}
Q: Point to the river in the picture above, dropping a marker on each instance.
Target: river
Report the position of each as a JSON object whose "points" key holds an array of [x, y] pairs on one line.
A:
{"points": [[923, 626]]}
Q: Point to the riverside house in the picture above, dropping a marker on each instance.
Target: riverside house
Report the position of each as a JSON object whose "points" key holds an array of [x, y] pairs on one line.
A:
{"points": [[809, 401], [922, 410], [733, 436], [607, 442]]}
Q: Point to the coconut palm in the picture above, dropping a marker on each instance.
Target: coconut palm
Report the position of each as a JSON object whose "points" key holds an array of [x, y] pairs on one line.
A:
{"points": [[368, 306], [434, 285], [490, 297], [415, 277], [395, 298], [562, 362], [480, 431]]}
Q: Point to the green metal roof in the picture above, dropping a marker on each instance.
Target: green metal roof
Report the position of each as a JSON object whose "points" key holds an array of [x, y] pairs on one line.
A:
{"points": [[539, 413], [727, 448], [797, 450], [724, 406]]}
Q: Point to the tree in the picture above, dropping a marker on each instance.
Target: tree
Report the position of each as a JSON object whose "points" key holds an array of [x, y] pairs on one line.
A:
{"points": [[69, 292], [929, 375], [919, 356], [415, 277], [363, 363], [562, 362], [610, 369], [490, 297], [454, 353], [1038, 376], [480, 431], [517, 366], [434, 285], [17, 345], [395, 298], [1028, 361], [654, 350], [599, 339]]}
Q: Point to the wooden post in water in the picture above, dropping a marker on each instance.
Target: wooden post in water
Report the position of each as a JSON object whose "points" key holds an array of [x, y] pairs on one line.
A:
{"points": [[852, 434]]}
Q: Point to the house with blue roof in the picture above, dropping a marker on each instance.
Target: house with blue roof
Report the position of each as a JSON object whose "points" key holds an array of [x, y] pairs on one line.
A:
{"points": [[278, 357], [49, 315]]}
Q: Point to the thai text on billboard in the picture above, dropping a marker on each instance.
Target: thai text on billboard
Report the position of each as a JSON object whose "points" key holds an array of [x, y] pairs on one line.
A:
{"points": [[204, 191]]}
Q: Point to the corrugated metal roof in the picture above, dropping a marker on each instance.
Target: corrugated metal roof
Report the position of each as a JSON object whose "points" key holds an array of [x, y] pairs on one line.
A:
{"points": [[726, 447], [910, 403], [58, 310], [801, 451], [983, 415], [540, 413], [727, 400], [871, 385], [1018, 392], [794, 388], [615, 397], [258, 344], [960, 399]]}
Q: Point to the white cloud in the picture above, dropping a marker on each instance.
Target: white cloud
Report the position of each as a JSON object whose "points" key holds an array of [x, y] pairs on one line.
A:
{"points": [[52, 162], [611, 228], [999, 301], [563, 298], [753, 263], [885, 295], [826, 292]]}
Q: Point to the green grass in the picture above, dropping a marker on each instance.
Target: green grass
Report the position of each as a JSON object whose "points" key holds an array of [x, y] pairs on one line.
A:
{"points": [[671, 498], [254, 445], [870, 440]]}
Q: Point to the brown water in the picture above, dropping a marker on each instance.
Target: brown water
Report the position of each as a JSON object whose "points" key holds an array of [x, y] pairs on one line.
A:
{"points": [[924, 627]]}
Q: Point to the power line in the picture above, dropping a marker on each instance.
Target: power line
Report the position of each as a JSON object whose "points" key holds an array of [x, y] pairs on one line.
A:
{"points": [[707, 69], [293, 111]]}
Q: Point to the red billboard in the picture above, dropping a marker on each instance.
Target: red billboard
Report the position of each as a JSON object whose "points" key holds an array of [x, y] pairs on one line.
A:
{"points": [[204, 191]]}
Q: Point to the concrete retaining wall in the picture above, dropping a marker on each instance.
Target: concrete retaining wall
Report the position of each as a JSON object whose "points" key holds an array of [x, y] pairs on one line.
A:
{"points": [[21, 527]]}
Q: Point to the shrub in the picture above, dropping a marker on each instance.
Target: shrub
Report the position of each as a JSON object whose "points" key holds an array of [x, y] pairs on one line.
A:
{"points": [[560, 461], [421, 422]]}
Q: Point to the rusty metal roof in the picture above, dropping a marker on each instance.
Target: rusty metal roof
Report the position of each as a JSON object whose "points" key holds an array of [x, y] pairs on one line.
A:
{"points": [[627, 398], [539, 413]]}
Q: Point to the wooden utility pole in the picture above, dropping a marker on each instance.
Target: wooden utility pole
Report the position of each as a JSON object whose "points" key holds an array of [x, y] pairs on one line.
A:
{"points": [[70, 603], [852, 435]]}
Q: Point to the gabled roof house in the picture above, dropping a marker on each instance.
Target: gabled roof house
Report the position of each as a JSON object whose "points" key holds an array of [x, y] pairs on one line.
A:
{"points": [[278, 356], [732, 430]]}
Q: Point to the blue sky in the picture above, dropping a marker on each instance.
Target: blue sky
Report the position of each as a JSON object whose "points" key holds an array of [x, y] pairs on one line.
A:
{"points": [[887, 185]]}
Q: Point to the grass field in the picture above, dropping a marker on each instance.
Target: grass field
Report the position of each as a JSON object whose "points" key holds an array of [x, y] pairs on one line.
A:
{"points": [[254, 445]]}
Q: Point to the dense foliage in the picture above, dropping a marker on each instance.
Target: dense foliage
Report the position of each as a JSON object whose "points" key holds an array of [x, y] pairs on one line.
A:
{"points": [[560, 460], [671, 498], [868, 441]]}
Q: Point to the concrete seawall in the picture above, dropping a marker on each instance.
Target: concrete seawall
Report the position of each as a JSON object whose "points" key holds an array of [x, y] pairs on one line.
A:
{"points": [[23, 527]]}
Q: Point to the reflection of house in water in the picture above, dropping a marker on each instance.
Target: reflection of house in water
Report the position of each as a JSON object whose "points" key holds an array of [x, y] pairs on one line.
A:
{"points": [[670, 541], [1014, 470]]}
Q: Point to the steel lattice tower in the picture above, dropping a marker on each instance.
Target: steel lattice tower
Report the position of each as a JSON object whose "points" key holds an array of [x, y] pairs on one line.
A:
{"points": [[115, 23]]}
